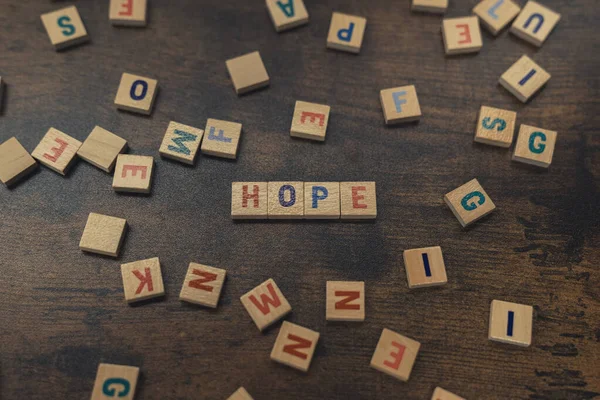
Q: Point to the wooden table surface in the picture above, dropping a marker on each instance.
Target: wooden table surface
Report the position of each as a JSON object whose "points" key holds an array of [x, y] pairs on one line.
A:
{"points": [[63, 311]]}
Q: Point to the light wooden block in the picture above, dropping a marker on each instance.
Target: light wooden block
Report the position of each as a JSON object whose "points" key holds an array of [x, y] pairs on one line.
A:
{"points": [[56, 150], [495, 15], [240, 394], [441, 394], [181, 142], [133, 174], [136, 93], [346, 32], [510, 323], [295, 346], [425, 267], [431, 6], [115, 381], [322, 200], [535, 23], [103, 234], [495, 126], [469, 202], [128, 12], [461, 35], [64, 27], [286, 200], [358, 200], [266, 304], [15, 162], [287, 14], [202, 285], [249, 200], [345, 301], [310, 121], [400, 104], [524, 78], [222, 138], [101, 149], [535, 146], [395, 354], [247, 72], [142, 280]]}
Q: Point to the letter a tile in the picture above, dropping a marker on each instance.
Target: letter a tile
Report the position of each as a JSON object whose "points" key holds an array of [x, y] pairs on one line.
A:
{"points": [[266, 304], [395, 354], [469, 202], [287, 14], [57, 150], [346, 32], [202, 285], [310, 121], [115, 382], [133, 174], [295, 346], [142, 280]]}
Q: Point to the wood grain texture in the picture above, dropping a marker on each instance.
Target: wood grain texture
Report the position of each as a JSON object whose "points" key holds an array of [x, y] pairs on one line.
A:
{"points": [[62, 311]]}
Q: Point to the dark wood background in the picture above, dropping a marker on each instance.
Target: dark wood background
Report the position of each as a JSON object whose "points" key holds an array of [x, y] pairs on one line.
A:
{"points": [[62, 311]]}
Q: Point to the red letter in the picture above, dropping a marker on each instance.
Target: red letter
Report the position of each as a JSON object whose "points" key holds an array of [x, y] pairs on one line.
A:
{"points": [[302, 344], [466, 33], [343, 304], [134, 169], [313, 117], [128, 6], [264, 307], [246, 196], [198, 283], [57, 150], [356, 197], [147, 279], [397, 356]]}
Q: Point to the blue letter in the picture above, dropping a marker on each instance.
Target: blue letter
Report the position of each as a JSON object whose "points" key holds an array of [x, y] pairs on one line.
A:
{"points": [[540, 18], [185, 137], [472, 206], [541, 147], [63, 23], [511, 321], [398, 101], [493, 9], [426, 264], [527, 77], [346, 34], [134, 86], [486, 123], [288, 9], [316, 196], [220, 137], [282, 196], [108, 391]]}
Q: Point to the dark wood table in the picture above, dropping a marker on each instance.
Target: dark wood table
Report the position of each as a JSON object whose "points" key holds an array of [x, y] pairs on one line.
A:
{"points": [[63, 311]]}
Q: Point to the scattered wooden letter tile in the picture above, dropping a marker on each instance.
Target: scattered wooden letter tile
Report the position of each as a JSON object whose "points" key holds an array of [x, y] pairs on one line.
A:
{"points": [[310, 121], [511, 323], [115, 381], [322, 200], [103, 234], [266, 304], [101, 148], [133, 173], [287, 14], [432, 6], [535, 23], [524, 78], [346, 32], [295, 346], [181, 142], [202, 285], [136, 93], [286, 200], [249, 200], [535, 146], [461, 35], [15, 162], [469, 202], [56, 150], [64, 27], [425, 267], [128, 12], [247, 72], [496, 14], [358, 200], [395, 354], [400, 104], [222, 138], [441, 394], [142, 280], [240, 394], [345, 301], [495, 126]]}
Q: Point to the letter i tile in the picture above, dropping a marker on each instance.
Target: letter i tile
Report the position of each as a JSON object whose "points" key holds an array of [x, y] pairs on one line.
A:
{"points": [[346, 32], [524, 78], [395, 354], [425, 267], [469, 202], [510, 323]]}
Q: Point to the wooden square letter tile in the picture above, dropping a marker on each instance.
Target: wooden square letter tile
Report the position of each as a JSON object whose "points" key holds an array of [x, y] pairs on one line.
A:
{"points": [[511, 323], [535, 146], [287, 14], [461, 35], [181, 142], [240, 394], [101, 149], [295, 346], [345, 301], [535, 23], [115, 381], [222, 138], [425, 267], [310, 121], [358, 200], [202, 285], [15, 162], [495, 126], [322, 200], [136, 93], [249, 200], [346, 32], [142, 280], [524, 78], [432, 6], [441, 394], [247, 72], [286, 200], [56, 150], [496, 14], [395, 354], [266, 304], [64, 27], [400, 104], [133, 174], [103, 234], [469, 202], [128, 12]]}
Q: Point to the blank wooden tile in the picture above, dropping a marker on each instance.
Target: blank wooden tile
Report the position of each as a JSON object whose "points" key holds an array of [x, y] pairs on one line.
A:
{"points": [[181, 142], [346, 32], [286, 200], [358, 200], [247, 72], [524, 78], [287, 14], [495, 15], [101, 148], [249, 200], [222, 138], [64, 27], [461, 35], [495, 126], [400, 104], [535, 146], [142, 280], [321, 200], [425, 267], [240, 394], [395, 354], [266, 304], [136, 93], [535, 23], [56, 150], [295, 346], [441, 394], [15, 162], [345, 301], [202, 285], [310, 121], [431, 6], [127, 12], [510, 323], [115, 381], [469, 202], [103, 234], [133, 174]]}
